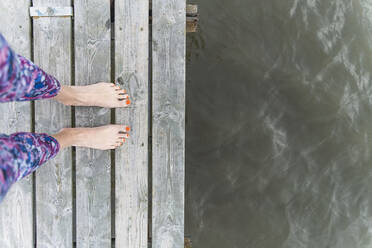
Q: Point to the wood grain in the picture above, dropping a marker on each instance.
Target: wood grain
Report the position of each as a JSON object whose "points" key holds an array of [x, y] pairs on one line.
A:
{"points": [[51, 11], [52, 49], [16, 209], [168, 120], [93, 182], [131, 163]]}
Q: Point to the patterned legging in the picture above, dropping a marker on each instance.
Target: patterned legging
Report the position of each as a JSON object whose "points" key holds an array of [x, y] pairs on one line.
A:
{"points": [[22, 153]]}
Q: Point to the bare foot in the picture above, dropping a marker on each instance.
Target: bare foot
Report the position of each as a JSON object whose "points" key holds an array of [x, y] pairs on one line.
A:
{"points": [[102, 138], [106, 95]]}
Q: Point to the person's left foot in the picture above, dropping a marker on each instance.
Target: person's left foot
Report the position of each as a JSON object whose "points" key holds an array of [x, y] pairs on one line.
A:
{"points": [[102, 138], [106, 95]]}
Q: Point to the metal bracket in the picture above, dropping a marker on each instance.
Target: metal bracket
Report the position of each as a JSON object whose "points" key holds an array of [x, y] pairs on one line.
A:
{"points": [[51, 11]]}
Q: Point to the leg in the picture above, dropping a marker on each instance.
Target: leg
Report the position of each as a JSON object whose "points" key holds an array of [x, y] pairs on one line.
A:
{"points": [[21, 154], [21, 80]]}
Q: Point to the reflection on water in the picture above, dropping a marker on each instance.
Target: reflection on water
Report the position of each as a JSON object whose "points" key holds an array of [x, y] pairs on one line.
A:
{"points": [[279, 125]]}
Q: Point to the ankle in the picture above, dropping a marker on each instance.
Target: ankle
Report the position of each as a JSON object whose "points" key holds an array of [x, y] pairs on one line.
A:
{"points": [[79, 95], [80, 136], [67, 137], [70, 95]]}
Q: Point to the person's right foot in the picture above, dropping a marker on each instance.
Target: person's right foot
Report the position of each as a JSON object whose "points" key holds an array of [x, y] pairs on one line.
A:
{"points": [[102, 138], [106, 95]]}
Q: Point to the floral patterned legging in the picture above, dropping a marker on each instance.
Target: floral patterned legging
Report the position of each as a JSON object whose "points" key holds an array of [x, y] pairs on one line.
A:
{"points": [[22, 153]]}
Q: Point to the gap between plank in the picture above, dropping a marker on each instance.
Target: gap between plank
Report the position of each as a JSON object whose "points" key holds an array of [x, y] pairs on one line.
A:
{"points": [[149, 177], [73, 124], [113, 120], [34, 231]]}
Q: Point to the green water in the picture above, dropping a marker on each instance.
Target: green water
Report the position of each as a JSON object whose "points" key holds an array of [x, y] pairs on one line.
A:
{"points": [[279, 125]]}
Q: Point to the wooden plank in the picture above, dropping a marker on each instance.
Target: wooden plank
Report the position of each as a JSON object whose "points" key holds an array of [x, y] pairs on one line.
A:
{"points": [[93, 181], [51, 11], [52, 49], [16, 209], [131, 162], [188, 243], [192, 17], [191, 10], [168, 120], [191, 23]]}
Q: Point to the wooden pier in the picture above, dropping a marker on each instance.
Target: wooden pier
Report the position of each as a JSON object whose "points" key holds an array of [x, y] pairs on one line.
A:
{"points": [[132, 197]]}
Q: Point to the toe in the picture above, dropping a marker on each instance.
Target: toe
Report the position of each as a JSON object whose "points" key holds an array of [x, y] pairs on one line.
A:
{"points": [[122, 94], [119, 143], [125, 136], [127, 102], [124, 102], [123, 129], [122, 97]]}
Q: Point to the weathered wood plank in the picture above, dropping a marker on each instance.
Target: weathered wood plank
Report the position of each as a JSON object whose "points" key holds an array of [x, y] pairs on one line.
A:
{"points": [[192, 17], [168, 120], [191, 10], [51, 11], [16, 209], [191, 23], [131, 163], [52, 52], [93, 181]]}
